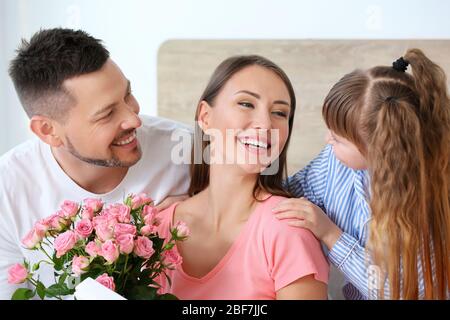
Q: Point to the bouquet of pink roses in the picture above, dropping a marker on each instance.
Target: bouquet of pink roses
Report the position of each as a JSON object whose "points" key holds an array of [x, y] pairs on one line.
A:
{"points": [[117, 245]]}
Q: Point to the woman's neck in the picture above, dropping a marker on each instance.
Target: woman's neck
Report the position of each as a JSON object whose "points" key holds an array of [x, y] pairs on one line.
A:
{"points": [[229, 195]]}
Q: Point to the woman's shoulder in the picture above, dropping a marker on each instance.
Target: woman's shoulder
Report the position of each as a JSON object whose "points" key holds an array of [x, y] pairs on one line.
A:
{"points": [[185, 211], [275, 228], [165, 219], [291, 252]]}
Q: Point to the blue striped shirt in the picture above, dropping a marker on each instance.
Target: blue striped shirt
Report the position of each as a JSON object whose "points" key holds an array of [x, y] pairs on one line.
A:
{"points": [[342, 194]]}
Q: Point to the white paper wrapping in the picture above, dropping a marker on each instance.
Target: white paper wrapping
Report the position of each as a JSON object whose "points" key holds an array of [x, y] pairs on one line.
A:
{"points": [[90, 289]]}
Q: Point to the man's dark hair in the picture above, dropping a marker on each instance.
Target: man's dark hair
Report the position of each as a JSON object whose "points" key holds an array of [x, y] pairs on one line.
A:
{"points": [[46, 61]]}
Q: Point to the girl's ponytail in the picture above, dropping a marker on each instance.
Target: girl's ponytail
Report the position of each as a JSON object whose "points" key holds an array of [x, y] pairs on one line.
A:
{"points": [[408, 137], [431, 85]]}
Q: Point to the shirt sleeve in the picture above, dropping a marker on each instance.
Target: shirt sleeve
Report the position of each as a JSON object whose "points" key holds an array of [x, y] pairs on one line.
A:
{"points": [[352, 259], [292, 254], [10, 253], [311, 181]]}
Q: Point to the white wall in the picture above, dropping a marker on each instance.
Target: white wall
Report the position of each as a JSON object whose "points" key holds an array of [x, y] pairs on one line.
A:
{"points": [[133, 30]]}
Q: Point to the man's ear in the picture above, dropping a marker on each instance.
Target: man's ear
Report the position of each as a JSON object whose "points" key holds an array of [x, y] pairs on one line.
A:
{"points": [[204, 115], [46, 130]]}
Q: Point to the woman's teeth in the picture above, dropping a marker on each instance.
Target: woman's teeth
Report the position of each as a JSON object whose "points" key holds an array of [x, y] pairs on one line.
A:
{"points": [[254, 143], [126, 141]]}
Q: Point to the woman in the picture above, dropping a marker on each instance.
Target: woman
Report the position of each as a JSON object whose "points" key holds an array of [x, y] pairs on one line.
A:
{"points": [[236, 248]]}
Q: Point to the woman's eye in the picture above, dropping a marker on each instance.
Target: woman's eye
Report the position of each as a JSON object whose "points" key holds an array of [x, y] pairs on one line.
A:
{"points": [[280, 113], [246, 104]]}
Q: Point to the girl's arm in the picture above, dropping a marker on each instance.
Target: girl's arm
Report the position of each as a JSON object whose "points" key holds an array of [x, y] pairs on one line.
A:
{"points": [[345, 252], [353, 261]]}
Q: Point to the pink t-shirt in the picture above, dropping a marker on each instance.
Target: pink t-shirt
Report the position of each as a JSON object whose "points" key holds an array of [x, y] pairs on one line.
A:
{"points": [[266, 256]]}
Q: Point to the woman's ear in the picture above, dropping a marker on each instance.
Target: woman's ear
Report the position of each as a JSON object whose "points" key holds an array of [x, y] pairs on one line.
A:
{"points": [[45, 129], [204, 115]]}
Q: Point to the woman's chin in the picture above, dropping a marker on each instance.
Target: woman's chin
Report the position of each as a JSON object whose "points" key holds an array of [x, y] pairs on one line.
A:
{"points": [[252, 168]]}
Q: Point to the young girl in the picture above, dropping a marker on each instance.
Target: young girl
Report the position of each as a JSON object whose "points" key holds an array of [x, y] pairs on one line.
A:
{"points": [[236, 248], [388, 163]]}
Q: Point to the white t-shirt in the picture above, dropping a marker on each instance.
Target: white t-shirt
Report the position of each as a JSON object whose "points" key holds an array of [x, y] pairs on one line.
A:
{"points": [[33, 186]]}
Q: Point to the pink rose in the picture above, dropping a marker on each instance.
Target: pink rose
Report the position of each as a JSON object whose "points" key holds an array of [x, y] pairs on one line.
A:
{"points": [[121, 212], [126, 243], [124, 228], [93, 249], [64, 242], [93, 204], [69, 209], [143, 247], [84, 228], [172, 258], [32, 239], [140, 200], [41, 227], [150, 215], [104, 226], [149, 210], [87, 213], [104, 232], [79, 265], [56, 222], [182, 229], [148, 230], [110, 251], [17, 274], [107, 281]]}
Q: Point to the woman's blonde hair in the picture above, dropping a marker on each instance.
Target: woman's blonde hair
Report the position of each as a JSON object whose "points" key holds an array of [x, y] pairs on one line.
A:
{"points": [[401, 124]]}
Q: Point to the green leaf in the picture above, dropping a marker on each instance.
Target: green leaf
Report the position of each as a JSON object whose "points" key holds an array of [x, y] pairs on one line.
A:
{"points": [[23, 294], [57, 290], [62, 278], [128, 201], [40, 290], [59, 263], [169, 246], [140, 292], [167, 296]]}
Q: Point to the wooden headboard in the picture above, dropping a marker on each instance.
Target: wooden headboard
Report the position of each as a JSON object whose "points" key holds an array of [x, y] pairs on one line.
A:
{"points": [[184, 67]]}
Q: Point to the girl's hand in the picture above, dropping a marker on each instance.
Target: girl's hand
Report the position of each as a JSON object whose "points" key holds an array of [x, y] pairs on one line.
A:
{"points": [[307, 215]]}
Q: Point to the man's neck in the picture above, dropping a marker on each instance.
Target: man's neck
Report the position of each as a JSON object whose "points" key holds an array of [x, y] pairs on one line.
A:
{"points": [[92, 178]]}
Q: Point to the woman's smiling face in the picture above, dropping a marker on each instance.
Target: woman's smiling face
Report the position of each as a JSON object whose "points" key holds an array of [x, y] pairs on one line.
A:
{"points": [[249, 120]]}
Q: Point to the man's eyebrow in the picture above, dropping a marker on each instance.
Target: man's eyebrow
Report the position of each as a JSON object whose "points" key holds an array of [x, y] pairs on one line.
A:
{"points": [[257, 96], [102, 110]]}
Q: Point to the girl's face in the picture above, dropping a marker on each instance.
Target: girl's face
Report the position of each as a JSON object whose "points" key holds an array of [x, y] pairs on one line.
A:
{"points": [[249, 122], [346, 152]]}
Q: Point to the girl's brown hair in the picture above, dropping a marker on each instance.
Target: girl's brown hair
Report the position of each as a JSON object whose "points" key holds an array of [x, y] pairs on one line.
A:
{"points": [[401, 123], [200, 169]]}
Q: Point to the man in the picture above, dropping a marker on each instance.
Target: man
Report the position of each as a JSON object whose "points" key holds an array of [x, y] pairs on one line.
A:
{"points": [[91, 142]]}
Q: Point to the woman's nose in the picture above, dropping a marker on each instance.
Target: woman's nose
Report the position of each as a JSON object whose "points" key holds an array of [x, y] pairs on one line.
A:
{"points": [[262, 120]]}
